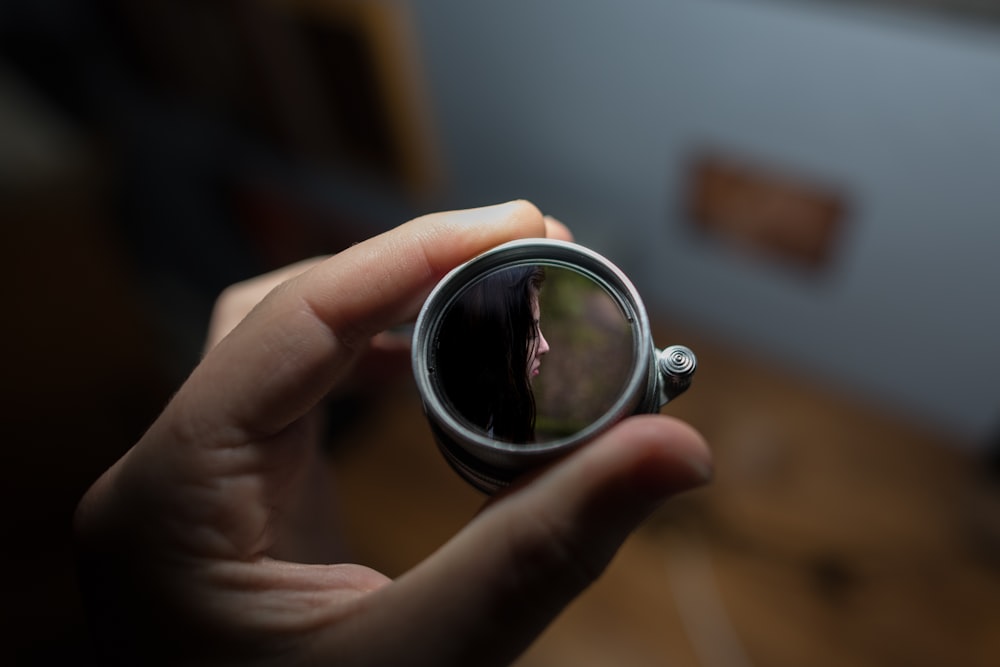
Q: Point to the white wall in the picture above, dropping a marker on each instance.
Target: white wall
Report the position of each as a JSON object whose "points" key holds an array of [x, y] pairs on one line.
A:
{"points": [[590, 109]]}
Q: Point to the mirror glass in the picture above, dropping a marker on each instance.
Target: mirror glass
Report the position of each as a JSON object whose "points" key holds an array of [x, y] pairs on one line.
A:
{"points": [[531, 353]]}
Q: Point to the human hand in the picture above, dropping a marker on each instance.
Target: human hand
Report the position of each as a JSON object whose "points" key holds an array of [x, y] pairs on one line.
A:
{"points": [[179, 540]]}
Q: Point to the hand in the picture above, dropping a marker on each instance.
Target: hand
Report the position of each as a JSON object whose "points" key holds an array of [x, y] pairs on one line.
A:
{"points": [[179, 539]]}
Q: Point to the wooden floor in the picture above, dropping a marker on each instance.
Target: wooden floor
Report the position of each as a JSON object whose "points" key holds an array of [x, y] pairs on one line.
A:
{"points": [[832, 535]]}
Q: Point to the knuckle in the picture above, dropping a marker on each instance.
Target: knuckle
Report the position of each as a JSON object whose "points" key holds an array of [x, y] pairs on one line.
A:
{"points": [[546, 552]]}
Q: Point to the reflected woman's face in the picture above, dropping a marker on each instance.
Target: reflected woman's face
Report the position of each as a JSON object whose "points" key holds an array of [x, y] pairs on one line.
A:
{"points": [[537, 345]]}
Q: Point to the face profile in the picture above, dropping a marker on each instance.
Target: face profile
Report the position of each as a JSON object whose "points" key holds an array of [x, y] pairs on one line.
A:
{"points": [[490, 349], [537, 345]]}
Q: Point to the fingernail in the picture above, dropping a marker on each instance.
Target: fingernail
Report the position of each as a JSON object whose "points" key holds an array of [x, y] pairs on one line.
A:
{"points": [[492, 211], [702, 469], [498, 212]]}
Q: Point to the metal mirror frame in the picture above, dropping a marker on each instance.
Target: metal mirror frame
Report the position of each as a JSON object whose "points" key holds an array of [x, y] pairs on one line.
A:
{"points": [[491, 465]]}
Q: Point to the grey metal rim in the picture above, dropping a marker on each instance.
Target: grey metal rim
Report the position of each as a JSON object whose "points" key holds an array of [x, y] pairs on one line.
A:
{"points": [[546, 252]]}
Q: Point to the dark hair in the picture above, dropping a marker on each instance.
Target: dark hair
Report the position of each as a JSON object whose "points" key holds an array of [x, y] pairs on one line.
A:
{"points": [[483, 348]]}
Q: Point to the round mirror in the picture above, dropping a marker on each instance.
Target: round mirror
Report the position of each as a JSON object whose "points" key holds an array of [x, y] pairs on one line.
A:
{"points": [[531, 349], [532, 353]]}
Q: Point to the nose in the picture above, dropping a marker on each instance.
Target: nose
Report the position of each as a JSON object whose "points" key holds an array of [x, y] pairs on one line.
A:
{"points": [[543, 345]]}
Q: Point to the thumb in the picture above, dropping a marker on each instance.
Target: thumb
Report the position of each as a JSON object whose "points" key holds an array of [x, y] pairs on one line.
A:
{"points": [[489, 592]]}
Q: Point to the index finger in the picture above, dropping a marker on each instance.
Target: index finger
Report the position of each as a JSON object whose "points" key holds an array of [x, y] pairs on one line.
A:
{"points": [[300, 340]]}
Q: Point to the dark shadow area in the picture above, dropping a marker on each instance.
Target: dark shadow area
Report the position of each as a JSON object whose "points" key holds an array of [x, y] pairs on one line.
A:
{"points": [[152, 154]]}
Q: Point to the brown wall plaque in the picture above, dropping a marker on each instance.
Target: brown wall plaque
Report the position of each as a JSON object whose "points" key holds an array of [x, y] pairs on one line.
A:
{"points": [[777, 214]]}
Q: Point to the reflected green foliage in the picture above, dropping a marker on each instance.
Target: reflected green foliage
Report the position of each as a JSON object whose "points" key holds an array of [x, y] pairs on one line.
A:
{"points": [[590, 356]]}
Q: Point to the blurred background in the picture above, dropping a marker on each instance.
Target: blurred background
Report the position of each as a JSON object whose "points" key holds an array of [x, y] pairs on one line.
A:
{"points": [[804, 191]]}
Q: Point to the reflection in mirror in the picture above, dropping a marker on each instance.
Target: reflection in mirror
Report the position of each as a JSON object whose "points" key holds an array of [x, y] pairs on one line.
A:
{"points": [[533, 353], [590, 358]]}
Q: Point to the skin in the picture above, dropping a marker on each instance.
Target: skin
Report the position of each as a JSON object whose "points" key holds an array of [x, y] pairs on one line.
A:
{"points": [[189, 539], [538, 346]]}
